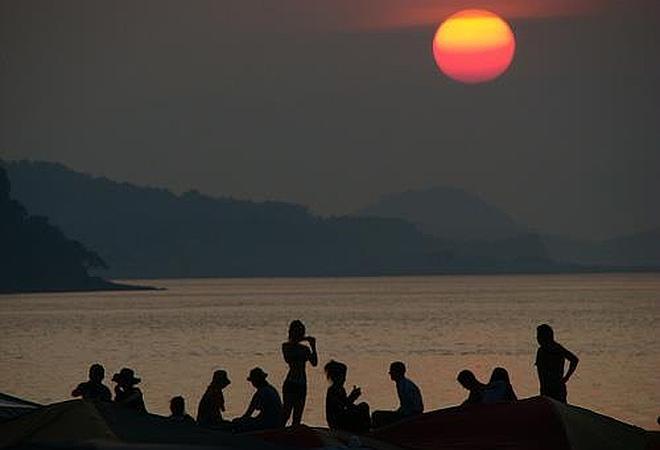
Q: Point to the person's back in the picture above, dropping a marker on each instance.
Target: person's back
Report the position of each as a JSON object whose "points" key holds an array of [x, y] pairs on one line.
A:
{"points": [[212, 404], [93, 389], [499, 388], [410, 397], [209, 410], [269, 405], [336, 401], [550, 364], [90, 390], [469, 381], [296, 356]]}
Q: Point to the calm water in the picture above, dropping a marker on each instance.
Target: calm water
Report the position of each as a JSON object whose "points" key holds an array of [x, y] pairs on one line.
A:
{"points": [[437, 325]]}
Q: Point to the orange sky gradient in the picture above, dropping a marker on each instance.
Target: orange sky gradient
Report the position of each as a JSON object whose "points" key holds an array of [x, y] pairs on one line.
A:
{"points": [[375, 15]]}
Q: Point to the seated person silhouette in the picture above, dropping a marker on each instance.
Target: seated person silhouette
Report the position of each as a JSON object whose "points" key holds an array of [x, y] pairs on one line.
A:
{"points": [[127, 394], [178, 410], [341, 412], [499, 388], [467, 379], [265, 401], [94, 389], [410, 398], [550, 359], [212, 404]]}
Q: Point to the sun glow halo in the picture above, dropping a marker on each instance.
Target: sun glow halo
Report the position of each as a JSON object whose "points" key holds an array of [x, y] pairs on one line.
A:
{"points": [[474, 46]]}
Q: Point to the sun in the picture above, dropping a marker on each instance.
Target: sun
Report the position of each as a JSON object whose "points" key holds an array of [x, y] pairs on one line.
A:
{"points": [[474, 46]]}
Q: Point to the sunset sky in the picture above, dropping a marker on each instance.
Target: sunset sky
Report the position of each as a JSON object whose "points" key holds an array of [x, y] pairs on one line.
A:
{"points": [[332, 103]]}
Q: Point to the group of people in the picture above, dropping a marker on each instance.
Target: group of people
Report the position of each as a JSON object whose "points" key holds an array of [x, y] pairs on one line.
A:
{"points": [[343, 412]]}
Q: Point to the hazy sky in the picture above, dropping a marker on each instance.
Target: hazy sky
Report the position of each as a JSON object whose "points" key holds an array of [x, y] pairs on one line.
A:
{"points": [[332, 103]]}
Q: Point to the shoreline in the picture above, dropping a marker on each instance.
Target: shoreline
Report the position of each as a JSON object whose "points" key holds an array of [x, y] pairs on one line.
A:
{"points": [[95, 285]]}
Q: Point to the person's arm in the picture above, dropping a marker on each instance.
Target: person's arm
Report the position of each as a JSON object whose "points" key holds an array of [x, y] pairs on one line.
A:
{"points": [[77, 392], [313, 357], [135, 395], [355, 393], [253, 405], [572, 364]]}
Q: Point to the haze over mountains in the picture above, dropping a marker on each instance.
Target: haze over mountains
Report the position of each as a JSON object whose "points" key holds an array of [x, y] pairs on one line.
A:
{"points": [[446, 212], [145, 232]]}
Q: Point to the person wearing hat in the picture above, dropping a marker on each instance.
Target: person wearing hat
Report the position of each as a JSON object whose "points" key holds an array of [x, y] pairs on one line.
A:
{"points": [[212, 404], [265, 401], [127, 394], [94, 389]]}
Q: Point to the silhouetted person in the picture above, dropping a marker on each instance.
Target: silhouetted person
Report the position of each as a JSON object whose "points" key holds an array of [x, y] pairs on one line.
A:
{"points": [[178, 410], [476, 388], [341, 412], [127, 394], [265, 401], [296, 355], [94, 389], [550, 358], [212, 404], [499, 388], [410, 398]]}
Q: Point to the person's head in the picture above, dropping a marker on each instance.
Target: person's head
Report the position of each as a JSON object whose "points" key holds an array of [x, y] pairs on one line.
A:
{"points": [[467, 379], [257, 377], [335, 371], [500, 374], [96, 373], [296, 331], [177, 406], [220, 379], [544, 334], [125, 378], [397, 370]]}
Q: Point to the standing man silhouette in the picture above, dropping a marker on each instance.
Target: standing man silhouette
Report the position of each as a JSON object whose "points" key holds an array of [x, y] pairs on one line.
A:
{"points": [[550, 359]]}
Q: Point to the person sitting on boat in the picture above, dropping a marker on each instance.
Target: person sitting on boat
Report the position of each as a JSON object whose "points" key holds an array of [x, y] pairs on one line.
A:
{"points": [[93, 389], [212, 404], [499, 388], [265, 401], [341, 412], [410, 398], [467, 379], [127, 394], [178, 410], [550, 359]]}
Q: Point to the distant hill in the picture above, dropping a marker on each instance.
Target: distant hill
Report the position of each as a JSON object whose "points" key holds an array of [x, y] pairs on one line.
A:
{"points": [[145, 232], [446, 212], [637, 250], [37, 256]]}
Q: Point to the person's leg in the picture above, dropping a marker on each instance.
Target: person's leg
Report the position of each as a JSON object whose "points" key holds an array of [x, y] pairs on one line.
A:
{"points": [[383, 418], [299, 404], [362, 417], [287, 402]]}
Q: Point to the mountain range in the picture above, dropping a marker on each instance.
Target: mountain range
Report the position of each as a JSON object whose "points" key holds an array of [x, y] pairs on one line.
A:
{"points": [[146, 232]]}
